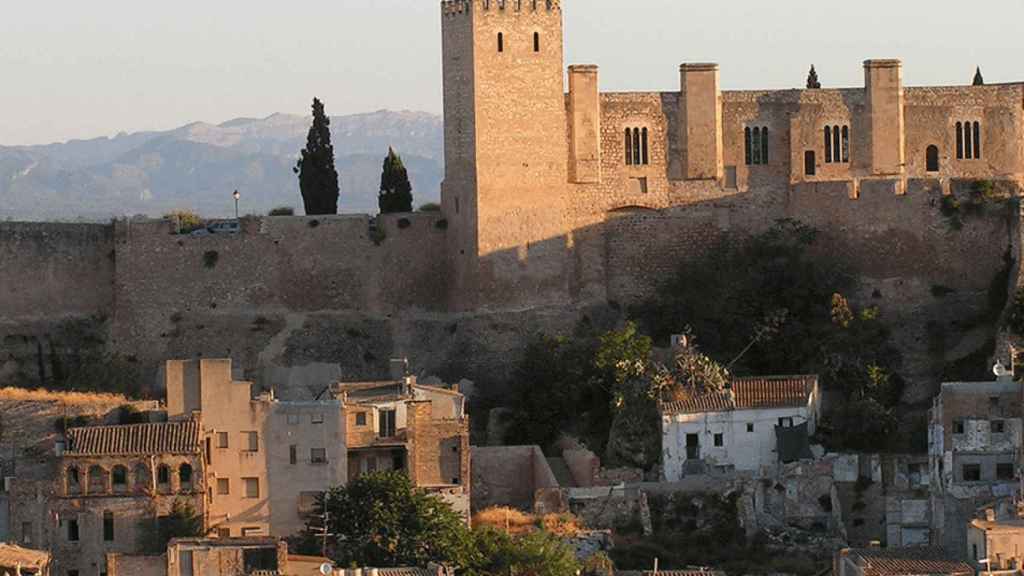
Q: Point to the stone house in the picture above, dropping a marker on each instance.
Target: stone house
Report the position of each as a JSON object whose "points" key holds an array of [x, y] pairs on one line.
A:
{"points": [[996, 546], [115, 485], [403, 425], [267, 460], [740, 428], [974, 442], [916, 561], [18, 561], [209, 557]]}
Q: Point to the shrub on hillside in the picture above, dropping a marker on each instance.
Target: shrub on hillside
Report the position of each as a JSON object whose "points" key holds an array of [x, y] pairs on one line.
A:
{"points": [[430, 207], [184, 221], [282, 211]]}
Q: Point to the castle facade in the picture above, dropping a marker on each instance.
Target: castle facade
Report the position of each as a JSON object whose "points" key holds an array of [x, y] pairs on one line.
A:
{"points": [[535, 173]]}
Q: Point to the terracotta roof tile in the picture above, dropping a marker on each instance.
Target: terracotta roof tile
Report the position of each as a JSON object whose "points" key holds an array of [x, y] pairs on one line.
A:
{"points": [[749, 394], [135, 439], [11, 556], [920, 561]]}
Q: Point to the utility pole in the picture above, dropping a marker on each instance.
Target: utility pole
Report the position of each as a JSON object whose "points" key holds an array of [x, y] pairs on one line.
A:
{"points": [[324, 532], [236, 196]]}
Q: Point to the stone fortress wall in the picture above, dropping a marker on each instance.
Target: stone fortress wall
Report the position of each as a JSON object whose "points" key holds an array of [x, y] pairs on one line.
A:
{"points": [[544, 221]]}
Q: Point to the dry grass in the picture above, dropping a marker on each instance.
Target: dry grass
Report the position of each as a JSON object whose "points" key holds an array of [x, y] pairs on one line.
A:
{"points": [[40, 395], [518, 522]]}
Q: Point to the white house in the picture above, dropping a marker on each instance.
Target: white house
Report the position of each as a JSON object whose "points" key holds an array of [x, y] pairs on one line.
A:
{"points": [[739, 428]]}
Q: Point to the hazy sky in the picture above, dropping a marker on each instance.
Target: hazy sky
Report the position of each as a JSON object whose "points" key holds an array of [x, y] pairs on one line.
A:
{"points": [[80, 69]]}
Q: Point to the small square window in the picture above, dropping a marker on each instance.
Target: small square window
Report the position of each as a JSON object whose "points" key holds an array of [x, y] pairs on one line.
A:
{"points": [[293, 419], [998, 426], [993, 401], [750, 427], [223, 486], [252, 441], [252, 487], [293, 454], [318, 418], [251, 531], [360, 418], [223, 533], [972, 472], [719, 440], [958, 427], [318, 456], [1004, 471], [785, 422], [73, 530], [222, 439]]}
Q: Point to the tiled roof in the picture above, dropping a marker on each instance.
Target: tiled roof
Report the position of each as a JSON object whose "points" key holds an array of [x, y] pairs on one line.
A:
{"points": [[920, 561], [135, 439], [12, 556], [749, 394]]}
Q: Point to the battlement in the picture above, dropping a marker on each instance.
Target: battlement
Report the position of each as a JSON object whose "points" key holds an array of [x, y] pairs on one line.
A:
{"points": [[457, 7]]}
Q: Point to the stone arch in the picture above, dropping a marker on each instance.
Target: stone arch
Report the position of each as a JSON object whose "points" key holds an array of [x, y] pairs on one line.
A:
{"points": [[97, 481], [186, 477], [119, 479], [73, 478], [141, 477], [932, 158]]}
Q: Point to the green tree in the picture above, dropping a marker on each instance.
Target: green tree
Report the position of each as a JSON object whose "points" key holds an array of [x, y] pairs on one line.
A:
{"points": [[182, 522], [812, 79], [537, 554], [318, 179], [395, 189], [979, 80], [382, 520]]}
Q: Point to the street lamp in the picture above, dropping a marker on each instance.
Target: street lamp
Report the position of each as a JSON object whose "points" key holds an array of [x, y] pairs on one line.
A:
{"points": [[236, 196]]}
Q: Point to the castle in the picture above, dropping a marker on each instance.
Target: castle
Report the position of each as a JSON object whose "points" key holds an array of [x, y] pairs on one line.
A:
{"points": [[530, 167], [555, 202]]}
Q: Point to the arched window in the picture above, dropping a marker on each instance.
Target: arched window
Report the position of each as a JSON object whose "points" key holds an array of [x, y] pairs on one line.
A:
{"points": [[968, 141], [97, 480], [828, 144], [501, 41], [757, 145], [977, 140], [636, 146], [645, 159], [141, 476], [163, 478], [119, 478], [747, 152], [536, 41], [846, 144], [959, 141], [185, 477], [637, 150], [932, 158], [764, 145], [835, 144], [74, 481]]}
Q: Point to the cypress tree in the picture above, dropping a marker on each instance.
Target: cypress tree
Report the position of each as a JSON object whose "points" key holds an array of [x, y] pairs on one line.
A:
{"points": [[979, 80], [395, 189], [318, 179], [812, 79]]}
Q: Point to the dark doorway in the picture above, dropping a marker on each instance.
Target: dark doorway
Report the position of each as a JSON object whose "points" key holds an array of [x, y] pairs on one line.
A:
{"points": [[932, 158], [809, 163], [398, 460], [692, 447]]}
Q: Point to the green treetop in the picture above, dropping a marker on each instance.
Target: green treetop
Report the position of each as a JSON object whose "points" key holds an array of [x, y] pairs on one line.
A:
{"points": [[395, 189], [318, 179]]}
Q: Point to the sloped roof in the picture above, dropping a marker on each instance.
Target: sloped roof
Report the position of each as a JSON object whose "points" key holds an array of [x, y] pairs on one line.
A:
{"points": [[919, 561], [11, 556], [749, 394], [135, 439]]}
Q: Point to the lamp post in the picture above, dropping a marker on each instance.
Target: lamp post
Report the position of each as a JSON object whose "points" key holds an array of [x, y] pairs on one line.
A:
{"points": [[236, 196]]}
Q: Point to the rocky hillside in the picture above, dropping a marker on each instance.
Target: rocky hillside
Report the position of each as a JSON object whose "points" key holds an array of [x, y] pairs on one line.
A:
{"points": [[198, 166]]}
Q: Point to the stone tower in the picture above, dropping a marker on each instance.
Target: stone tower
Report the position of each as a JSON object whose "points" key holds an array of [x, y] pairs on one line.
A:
{"points": [[506, 155]]}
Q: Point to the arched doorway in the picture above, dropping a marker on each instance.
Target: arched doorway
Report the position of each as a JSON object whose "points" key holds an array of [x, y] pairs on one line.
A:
{"points": [[932, 158]]}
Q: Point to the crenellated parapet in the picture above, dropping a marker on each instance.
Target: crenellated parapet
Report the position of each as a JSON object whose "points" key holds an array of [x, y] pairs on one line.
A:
{"points": [[456, 7]]}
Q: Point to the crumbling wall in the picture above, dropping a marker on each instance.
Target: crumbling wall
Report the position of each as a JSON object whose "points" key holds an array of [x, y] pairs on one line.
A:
{"points": [[509, 476]]}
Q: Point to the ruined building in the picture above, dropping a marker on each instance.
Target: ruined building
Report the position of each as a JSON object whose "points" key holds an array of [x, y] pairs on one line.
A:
{"points": [[974, 444]]}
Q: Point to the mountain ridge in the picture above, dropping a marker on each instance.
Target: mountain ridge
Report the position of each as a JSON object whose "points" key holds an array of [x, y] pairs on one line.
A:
{"points": [[198, 165]]}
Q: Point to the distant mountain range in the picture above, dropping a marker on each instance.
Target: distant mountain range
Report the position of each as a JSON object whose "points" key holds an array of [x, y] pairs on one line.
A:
{"points": [[198, 166]]}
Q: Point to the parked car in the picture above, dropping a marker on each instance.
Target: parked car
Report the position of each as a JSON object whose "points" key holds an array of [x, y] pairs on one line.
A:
{"points": [[225, 227]]}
